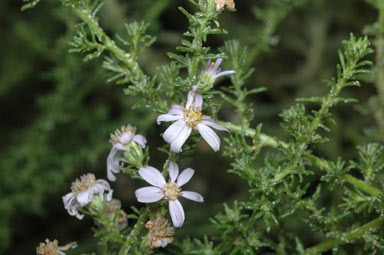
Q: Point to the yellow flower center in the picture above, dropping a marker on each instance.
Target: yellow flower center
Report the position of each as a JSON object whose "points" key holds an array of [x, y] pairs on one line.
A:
{"points": [[171, 191], [213, 63], [191, 117]]}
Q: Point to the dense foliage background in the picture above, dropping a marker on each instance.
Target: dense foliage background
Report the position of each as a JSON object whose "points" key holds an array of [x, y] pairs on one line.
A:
{"points": [[57, 112]]}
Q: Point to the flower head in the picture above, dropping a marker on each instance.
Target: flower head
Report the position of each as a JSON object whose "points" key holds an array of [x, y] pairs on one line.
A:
{"points": [[120, 139], [188, 119], [213, 71], [83, 191], [53, 248], [160, 233], [167, 191]]}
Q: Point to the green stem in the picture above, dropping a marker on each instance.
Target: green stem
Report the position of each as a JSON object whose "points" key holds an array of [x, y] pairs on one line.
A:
{"points": [[346, 237], [266, 140], [134, 233], [363, 186], [86, 16]]}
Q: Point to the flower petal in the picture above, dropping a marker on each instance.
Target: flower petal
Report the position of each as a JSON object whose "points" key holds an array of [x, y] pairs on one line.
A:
{"points": [[217, 64], [149, 194], [185, 176], [224, 73], [177, 213], [168, 117], [210, 122], [120, 147], [209, 136], [190, 98], [192, 196], [126, 138], [140, 140], [173, 131], [176, 110], [173, 171], [181, 138], [113, 164], [84, 197], [67, 199], [152, 176], [198, 102]]}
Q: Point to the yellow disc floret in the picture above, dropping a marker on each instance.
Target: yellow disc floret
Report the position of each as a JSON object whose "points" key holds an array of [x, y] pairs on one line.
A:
{"points": [[192, 118], [171, 191]]}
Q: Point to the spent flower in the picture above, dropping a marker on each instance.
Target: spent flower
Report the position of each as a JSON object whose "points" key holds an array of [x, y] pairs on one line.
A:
{"points": [[53, 248], [83, 193], [124, 140], [160, 232], [188, 119], [167, 191]]}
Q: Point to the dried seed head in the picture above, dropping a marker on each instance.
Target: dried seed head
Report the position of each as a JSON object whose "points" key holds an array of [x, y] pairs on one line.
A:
{"points": [[160, 232], [52, 248]]}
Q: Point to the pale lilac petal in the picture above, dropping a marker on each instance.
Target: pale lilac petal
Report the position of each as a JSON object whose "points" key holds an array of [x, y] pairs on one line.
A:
{"points": [[84, 197], [67, 199], [181, 138], [224, 73], [173, 131], [173, 171], [71, 205], [79, 216], [100, 187], [217, 64], [176, 110], [113, 164], [126, 138], [168, 117], [109, 195], [140, 140], [210, 122], [152, 176], [190, 99], [120, 147], [198, 103], [149, 194], [209, 136], [177, 213], [103, 184], [192, 196], [185, 176]]}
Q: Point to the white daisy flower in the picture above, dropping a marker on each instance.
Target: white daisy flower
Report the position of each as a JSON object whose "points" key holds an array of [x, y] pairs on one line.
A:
{"points": [[168, 191], [121, 137], [187, 119], [83, 191]]}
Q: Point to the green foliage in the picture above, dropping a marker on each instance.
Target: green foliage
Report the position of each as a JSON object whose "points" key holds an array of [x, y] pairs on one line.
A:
{"points": [[297, 193]]}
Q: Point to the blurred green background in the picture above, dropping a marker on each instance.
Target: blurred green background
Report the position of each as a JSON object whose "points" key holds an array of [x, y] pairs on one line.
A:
{"points": [[57, 111]]}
